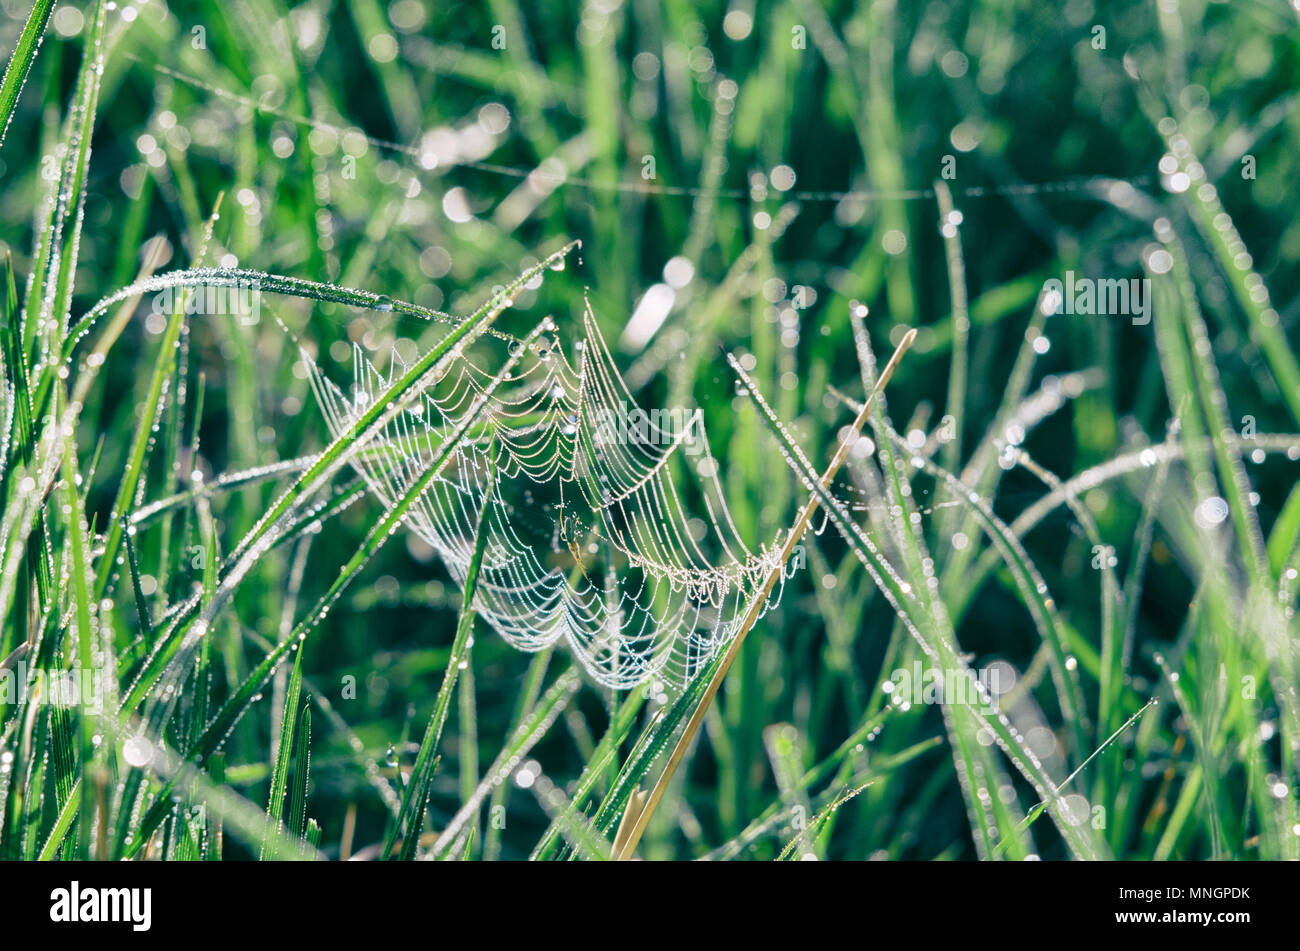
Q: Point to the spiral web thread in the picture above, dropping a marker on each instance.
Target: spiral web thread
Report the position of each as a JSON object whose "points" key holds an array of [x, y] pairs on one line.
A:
{"points": [[636, 587]]}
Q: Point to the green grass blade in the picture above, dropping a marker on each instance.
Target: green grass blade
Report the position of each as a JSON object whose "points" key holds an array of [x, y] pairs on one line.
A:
{"points": [[280, 776], [382, 531], [20, 64], [143, 441], [904, 601], [301, 774], [417, 790]]}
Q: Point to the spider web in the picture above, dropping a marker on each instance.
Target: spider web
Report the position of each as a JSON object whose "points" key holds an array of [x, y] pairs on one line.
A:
{"points": [[590, 538]]}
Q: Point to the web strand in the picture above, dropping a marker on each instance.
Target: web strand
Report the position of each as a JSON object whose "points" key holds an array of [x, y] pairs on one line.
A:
{"points": [[551, 174], [633, 584]]}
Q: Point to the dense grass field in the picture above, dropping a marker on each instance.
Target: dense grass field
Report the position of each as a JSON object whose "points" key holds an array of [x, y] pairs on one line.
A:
{"points": [[465, 430]]}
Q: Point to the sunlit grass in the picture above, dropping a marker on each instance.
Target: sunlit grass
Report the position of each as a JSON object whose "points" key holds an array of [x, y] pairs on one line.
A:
{"points": [[1102, 511]]}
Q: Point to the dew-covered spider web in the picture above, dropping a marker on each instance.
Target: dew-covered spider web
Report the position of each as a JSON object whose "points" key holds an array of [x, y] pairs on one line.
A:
{"points": [[606, 526]]}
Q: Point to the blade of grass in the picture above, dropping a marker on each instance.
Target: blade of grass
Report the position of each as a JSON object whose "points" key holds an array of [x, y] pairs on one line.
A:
{"points": [[280, 776], [755, 609], [20, 64], [411, 817], [903, 600], [87, 650], [301, 774], [534, 727], [144, 440], [382, 531]]}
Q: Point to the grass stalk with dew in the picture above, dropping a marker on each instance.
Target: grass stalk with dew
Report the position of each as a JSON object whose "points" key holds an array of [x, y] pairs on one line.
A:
{"points": [[1102, 510], [902, 595], [793, 538], [411, 818]]}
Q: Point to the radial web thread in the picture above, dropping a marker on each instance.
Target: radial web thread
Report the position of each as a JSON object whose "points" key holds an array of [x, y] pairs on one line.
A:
{"points": [[589, 537]]}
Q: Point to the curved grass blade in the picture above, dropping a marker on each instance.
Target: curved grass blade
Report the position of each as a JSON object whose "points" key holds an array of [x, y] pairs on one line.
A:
{"points": [[284, 285]]}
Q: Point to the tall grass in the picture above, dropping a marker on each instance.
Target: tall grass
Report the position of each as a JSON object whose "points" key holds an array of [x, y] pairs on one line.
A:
{"points": [[1102, 511]]}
